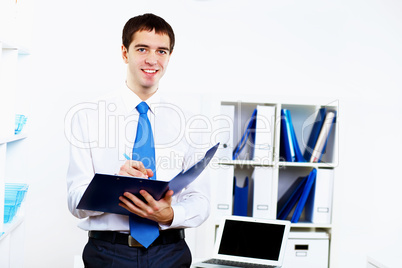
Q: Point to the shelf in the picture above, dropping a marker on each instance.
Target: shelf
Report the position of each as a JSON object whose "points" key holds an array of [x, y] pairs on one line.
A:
{"points": [[245, 163], [310, 225], [281, 100], [15, 40], [307, 164], [10, 227], [253, 163], [10, 45], [13, 138]]}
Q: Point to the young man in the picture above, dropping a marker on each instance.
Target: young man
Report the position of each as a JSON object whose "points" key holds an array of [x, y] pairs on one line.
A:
{"points": [[103, 131]]}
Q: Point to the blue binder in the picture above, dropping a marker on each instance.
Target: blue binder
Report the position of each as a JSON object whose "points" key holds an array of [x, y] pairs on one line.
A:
{"points": [[103, 192], [290, 146], [287, 148], [290, 198], [248, 133], [303, 198], [240, 203]]}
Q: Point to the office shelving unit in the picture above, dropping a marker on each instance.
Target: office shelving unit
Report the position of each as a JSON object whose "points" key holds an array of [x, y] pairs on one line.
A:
{"points": [[278, 173], [14, 36]]}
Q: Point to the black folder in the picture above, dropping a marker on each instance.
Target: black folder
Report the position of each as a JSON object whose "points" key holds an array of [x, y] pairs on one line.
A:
{"points": [[103, 193]]}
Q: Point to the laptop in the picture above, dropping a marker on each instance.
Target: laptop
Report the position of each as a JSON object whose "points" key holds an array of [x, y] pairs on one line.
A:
{"points": [[249, 242]]}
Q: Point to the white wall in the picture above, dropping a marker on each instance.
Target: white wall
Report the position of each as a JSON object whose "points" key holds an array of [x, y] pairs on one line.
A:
{"points": [[346, 50]]}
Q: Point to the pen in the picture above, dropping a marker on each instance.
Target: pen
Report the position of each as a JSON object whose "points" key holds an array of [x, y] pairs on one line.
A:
{"points": [[128, 158]]}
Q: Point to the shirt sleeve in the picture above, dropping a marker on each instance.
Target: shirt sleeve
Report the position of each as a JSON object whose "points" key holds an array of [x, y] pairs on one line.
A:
{"points": [[80, 170], [193, 205]]}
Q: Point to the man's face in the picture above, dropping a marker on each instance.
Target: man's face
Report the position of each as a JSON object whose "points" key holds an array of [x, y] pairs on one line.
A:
{"points": [[147, 58]]}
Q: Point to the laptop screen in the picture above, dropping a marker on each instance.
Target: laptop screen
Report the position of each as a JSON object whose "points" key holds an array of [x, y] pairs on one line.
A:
{"points": [[252, 240]]}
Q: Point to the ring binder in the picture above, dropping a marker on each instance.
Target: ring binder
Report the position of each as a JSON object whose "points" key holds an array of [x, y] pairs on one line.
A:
{"points": [[248, 133], [240, 204], [292, 150]]}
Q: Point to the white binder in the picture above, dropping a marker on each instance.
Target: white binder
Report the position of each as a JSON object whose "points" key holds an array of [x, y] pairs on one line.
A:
{"points": [[262, 193], [224, 133], [223, 187], [320, 207], [264, 134]]}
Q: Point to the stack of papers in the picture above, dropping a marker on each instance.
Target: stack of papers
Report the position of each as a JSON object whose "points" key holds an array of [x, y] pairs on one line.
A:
{"points": [[20, 121], [14, 195]]}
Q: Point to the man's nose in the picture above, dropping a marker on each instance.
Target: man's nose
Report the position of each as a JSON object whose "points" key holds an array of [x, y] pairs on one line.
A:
{"points": [[151, 59]]}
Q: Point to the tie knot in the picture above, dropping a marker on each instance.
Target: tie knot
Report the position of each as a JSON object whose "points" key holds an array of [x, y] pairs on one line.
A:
{"points": [[142, 108]]}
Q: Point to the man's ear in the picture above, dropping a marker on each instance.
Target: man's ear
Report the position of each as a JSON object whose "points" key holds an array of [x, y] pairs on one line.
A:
{"points": [[124, 53]]}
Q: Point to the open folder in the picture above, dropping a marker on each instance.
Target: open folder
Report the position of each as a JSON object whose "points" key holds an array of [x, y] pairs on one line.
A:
{"points": [[103, 193]]}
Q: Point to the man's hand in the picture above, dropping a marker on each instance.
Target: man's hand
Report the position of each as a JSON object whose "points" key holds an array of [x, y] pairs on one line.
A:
{"points": [[160, 211], [135, 169]]}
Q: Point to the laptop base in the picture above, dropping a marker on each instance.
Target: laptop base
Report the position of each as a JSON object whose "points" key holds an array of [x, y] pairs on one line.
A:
{"points": [[216, 263]]}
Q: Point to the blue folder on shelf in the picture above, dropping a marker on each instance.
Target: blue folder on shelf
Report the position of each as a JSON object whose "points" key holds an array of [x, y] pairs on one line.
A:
{"points": [[248, 133], [287, 149], [290, 149], [305, 194], [240, 203], [296, 197], [103, 192], [290, 198]]}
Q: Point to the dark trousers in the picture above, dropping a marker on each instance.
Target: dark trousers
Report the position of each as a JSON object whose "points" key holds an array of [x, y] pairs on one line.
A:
{"points": [[102, 254]]}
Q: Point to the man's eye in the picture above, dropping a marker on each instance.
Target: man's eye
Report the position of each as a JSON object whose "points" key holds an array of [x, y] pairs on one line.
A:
{"points": [[141, 49], [163, 52]]}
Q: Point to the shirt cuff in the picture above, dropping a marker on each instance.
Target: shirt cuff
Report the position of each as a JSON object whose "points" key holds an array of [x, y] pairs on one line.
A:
{"points": [[83, 213], [179, 214]]}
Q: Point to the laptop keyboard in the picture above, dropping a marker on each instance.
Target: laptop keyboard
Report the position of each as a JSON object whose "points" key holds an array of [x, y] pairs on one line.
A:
{"points": [[238, 264]]}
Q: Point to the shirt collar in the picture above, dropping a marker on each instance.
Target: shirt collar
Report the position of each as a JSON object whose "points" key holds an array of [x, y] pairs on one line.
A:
{"points": [[131, 100]]}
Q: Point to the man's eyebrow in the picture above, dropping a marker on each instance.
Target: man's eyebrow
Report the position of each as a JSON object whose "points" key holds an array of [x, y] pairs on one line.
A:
{"points": [[141, 45], [159, 48], [164, 48]]}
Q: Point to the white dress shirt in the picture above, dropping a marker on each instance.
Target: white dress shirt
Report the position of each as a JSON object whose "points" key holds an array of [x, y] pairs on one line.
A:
{"points": [[101, 132]]}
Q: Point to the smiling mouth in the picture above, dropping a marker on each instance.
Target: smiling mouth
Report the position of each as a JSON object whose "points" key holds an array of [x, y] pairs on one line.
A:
{"points": [[149, 71]]}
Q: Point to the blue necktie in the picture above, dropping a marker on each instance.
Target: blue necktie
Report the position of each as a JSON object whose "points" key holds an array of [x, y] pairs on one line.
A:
{"points": [[143, 230]]}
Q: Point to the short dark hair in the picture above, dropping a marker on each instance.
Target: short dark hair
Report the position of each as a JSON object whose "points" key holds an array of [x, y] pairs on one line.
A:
{"points": [[147, 22]]}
